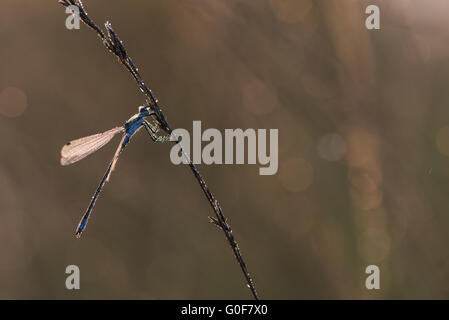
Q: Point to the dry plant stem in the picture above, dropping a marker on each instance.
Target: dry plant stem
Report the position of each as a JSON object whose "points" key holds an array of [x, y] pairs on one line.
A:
{"points": [[113, 43]]}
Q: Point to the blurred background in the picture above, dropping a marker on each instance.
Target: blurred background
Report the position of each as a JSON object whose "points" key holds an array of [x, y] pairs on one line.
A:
{"points": [[363, 119]]}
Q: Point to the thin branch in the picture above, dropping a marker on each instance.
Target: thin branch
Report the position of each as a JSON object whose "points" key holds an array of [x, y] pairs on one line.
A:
{"points": [[113, 43]]}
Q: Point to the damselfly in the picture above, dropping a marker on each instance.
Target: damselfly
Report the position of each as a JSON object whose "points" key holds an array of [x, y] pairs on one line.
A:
{"points": [[78, 149]]}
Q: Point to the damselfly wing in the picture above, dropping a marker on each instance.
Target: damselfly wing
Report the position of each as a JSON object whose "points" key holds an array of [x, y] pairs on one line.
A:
{"points": [[78, 149]]}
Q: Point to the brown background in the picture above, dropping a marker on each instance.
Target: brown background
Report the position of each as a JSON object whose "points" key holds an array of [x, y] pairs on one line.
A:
{"points": [[363, 149]]}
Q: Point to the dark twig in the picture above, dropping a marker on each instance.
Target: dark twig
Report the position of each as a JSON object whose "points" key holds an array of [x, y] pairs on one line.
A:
{"points": [[113, 43]]}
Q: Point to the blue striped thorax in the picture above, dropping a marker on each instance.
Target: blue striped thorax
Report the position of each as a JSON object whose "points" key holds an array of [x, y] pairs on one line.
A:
{"points": [[135, 122]]}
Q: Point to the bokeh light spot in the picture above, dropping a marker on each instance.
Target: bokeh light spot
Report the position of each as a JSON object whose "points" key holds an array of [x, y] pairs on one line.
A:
{"points": [[366, 200], [258, 98], [362, 148], [296, 174], [365, 180], [13, 102], [332, 147], [319, 86]]}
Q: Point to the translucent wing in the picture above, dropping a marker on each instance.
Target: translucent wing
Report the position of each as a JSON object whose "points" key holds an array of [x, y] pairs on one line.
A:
{"points": [[78, 149]]}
